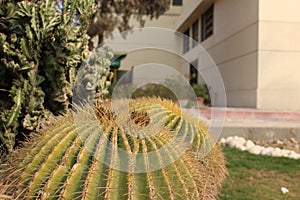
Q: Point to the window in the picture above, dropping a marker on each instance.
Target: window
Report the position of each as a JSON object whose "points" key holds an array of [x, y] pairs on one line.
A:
{"points": [[177, 3], [186, 41], [194, 72], [207, 23], [195, 33]]}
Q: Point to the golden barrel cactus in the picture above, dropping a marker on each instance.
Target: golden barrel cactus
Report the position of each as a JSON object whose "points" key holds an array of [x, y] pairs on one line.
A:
{"points": [[110, 160]]}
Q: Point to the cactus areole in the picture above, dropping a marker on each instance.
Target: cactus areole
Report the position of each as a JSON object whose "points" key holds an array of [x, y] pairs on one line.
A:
{"points": [[83, 160]]}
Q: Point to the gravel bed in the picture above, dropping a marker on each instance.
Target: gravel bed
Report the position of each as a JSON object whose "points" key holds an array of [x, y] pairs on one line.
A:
{"points": [[289, 144], [277, 148]]}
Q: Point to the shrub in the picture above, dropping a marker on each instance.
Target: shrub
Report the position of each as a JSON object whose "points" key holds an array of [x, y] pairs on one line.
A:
{"points": [[154, 90], [201, 90]]}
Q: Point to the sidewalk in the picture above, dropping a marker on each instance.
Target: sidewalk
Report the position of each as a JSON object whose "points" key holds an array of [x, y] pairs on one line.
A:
{"points": [[255, 124]]}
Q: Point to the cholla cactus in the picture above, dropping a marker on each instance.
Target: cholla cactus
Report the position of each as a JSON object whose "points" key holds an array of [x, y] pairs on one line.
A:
{"points": [[78, 162]]}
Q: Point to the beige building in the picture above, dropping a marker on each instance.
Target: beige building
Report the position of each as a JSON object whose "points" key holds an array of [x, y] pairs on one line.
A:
{"points": [[152, 46], [254, 43]]}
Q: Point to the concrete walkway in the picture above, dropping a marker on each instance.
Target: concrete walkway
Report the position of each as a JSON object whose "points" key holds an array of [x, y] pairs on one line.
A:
{"points": [[255, 124]]}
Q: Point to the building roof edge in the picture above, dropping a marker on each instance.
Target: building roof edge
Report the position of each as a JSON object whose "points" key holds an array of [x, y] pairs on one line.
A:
{"points": [[187, 12]]}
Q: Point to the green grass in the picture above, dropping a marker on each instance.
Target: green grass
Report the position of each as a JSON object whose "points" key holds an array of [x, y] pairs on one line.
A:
{"points": [[253, 177]]}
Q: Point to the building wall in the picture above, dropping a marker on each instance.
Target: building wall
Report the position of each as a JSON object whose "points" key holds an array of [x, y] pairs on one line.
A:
{"points": [[149, 46], [279, 54], [233, 47], [164, 59], [256, 46], [155, 46], [167, 20]]}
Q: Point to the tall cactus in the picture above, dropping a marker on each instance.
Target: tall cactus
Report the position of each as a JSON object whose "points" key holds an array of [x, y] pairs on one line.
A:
{"points": [[41, 47], [67, 160], [10, 117]]}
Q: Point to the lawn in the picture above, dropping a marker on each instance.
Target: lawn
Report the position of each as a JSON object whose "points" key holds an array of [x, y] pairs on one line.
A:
{"points": [[253, 177]]}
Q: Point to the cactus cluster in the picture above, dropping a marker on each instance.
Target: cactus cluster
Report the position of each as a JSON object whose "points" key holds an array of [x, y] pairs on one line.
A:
{"points": [[41, 47], [66, 161]]}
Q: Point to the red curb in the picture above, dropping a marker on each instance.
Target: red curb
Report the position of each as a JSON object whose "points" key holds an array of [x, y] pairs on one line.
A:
{"points": [[232, 113]]}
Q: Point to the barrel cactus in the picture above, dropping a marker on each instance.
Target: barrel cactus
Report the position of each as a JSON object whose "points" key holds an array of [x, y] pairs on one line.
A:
{"points": [[82, 159]]}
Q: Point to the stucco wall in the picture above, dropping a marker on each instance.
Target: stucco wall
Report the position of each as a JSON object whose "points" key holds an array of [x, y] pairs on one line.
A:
{"points": [[256, 46], [233, 47], [155, 46], [170, 42], [279, 54]]}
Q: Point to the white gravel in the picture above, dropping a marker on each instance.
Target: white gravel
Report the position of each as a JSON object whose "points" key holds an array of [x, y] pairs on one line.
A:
{"points": [[247, 145]]}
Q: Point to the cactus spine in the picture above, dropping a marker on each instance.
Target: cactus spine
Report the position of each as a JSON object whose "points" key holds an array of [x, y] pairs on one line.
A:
{"points": [[66, 165]]}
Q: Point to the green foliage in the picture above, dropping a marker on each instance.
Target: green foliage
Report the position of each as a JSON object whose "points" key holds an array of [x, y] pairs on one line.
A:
{"points": [[9, 117], [41, 48], [65, 164], [181, 85], [201, 90], [154, 90]]}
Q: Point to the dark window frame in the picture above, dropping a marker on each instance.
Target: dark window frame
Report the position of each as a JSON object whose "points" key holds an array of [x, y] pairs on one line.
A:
{"points": [[186, 41], [194, 72], [177, 2], [195, 32], [207, 26]]}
